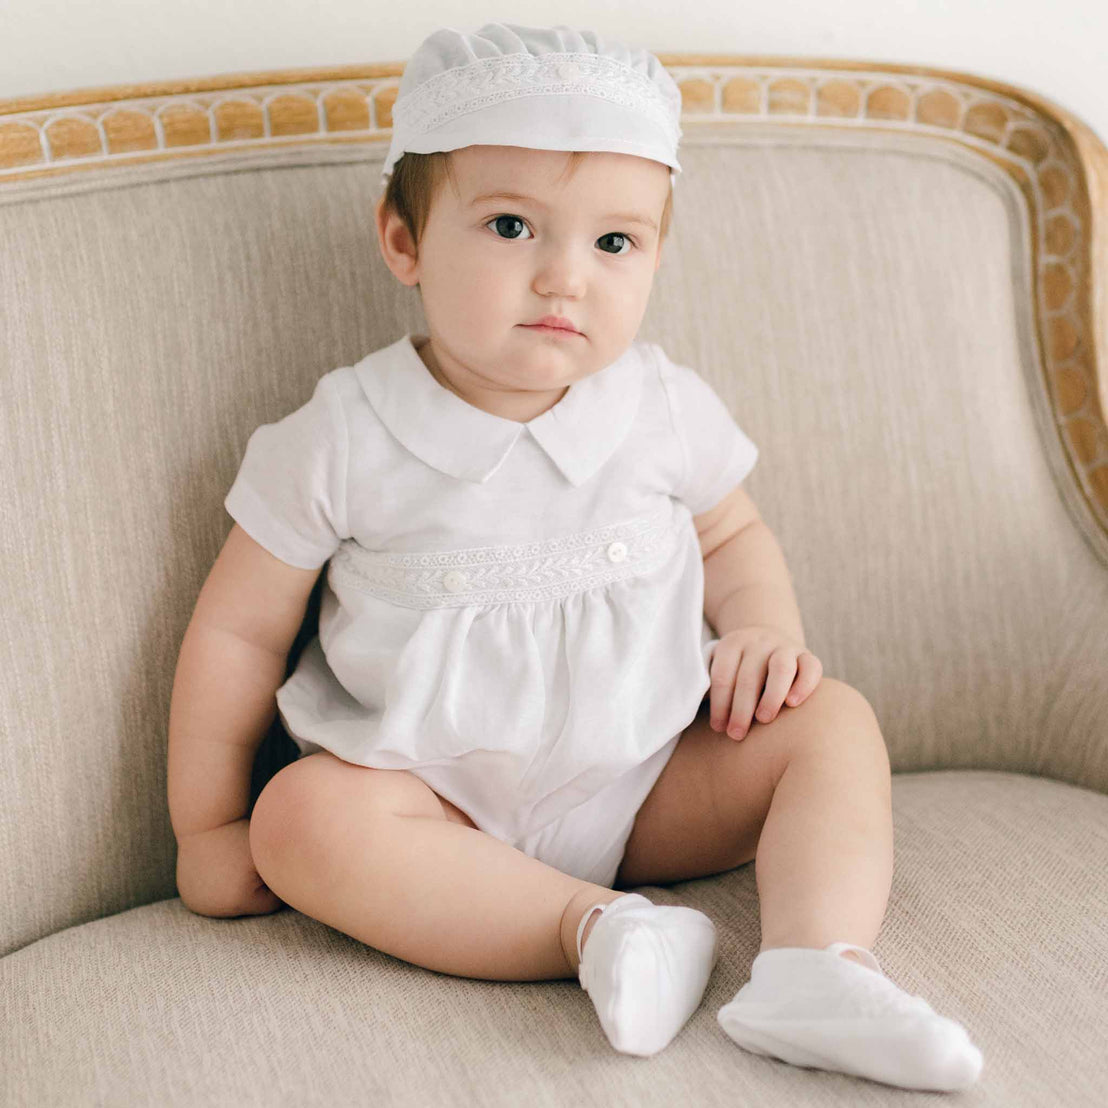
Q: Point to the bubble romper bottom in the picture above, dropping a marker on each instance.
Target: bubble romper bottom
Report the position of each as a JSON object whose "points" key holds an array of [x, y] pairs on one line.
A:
{"points": [[539, 687]]}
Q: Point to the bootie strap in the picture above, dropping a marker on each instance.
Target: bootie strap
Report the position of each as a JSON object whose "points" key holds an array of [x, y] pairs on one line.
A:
{"points": [[580, 931], [585, 919], [866, 955]]}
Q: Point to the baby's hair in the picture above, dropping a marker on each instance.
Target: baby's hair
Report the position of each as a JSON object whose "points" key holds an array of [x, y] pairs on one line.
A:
{"points": [[416, 178]]}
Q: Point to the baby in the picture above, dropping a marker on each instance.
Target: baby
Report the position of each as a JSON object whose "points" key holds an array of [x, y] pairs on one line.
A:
{"points": [[515, 707]]}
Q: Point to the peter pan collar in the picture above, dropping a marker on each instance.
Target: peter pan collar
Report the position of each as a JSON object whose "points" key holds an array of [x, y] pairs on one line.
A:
{"points": [[578, 434]]}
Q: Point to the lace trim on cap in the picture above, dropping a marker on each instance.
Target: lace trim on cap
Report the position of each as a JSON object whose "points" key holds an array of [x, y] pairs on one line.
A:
{"points": [[525, 572], [466, 88]]}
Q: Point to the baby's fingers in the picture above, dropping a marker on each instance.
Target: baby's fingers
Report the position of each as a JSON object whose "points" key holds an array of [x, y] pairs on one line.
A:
{"points": [[724, 665], [749, 681], [809, 673], [782, 669]]}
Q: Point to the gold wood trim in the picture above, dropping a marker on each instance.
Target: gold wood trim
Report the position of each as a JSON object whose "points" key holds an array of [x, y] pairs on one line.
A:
{"points": [[1058, 163]]}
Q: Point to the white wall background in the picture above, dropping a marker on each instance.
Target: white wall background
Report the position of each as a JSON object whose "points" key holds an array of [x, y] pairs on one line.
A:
{"points": [[1057, 48]]}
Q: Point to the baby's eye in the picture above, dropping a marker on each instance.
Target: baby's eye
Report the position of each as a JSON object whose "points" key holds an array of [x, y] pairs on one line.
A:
{"points": [[511, 220], [618, 235], [508, 219]]}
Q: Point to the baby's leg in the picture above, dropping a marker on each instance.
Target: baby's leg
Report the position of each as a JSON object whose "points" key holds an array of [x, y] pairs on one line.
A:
{"points": [[379, 855], [807, 797]]}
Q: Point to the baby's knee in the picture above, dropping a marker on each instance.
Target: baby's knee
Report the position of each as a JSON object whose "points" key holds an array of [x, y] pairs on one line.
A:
{"points": [[835, 696], [843, 717], [317, 795], [310, 800], [276, 811]]}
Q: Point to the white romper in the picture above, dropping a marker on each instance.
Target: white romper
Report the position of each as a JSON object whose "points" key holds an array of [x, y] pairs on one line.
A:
{"points": [[514, 612]]}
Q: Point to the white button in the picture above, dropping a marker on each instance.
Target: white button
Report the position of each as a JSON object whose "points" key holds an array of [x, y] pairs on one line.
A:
{"points": [[455, 581], [617, 552], [567, 71]]}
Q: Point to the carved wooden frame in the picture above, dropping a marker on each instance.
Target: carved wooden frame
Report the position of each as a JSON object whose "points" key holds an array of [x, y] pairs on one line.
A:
{"points": [[1057, 162]]}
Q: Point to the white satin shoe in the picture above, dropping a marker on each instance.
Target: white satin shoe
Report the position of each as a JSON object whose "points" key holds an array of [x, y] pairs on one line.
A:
{"points": [[645, 968], [814, 1008]]}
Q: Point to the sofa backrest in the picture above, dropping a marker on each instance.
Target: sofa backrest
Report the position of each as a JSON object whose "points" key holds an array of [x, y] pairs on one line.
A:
{"points": [[899, 320]]}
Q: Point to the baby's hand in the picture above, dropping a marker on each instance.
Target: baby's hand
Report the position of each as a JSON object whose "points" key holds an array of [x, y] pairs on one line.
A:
{"points": [[216, 874], [758, 662]]}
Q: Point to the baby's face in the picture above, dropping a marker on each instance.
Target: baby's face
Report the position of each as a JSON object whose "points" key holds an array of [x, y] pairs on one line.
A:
{"points": [[581, 247]]}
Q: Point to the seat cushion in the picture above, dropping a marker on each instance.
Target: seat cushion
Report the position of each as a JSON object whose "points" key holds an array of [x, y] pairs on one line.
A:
{"points": [[997, 916]]}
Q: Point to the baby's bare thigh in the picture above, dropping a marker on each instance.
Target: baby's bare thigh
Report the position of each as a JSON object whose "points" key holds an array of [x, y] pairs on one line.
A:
{"points": [[706, 811], [324, 777]]}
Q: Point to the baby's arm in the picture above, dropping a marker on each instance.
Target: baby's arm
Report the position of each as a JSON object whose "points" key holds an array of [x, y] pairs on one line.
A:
{"points": [[232, 662]]}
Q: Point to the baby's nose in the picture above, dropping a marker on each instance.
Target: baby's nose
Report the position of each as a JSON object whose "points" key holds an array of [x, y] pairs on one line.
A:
{"points": [[563, 275]]}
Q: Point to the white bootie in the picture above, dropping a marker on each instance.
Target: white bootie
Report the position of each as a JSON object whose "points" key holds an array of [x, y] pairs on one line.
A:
{"points": [[645, 968], [815, 1008]]}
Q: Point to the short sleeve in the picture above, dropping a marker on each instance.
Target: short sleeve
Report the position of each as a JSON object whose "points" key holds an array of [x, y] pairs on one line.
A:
{"points": [[290, 491], [717, 454]]}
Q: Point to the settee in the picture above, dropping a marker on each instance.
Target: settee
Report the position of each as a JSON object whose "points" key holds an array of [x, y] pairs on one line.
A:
{"points": [[896, 277]]}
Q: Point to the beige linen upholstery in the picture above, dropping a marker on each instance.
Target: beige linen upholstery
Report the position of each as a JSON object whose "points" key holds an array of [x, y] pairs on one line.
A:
{"points": [[885, 311]]}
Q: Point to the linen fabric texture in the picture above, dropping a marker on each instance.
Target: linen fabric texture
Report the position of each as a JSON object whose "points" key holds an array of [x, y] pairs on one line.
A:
{"points": [[513, 612]]}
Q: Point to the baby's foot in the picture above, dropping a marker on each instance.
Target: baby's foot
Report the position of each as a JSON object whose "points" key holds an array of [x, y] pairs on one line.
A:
{"points": [[645, 967], [816, 1008]]}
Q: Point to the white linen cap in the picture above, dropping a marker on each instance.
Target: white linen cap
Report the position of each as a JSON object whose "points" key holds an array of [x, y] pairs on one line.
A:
{"points": [[546, 88]]}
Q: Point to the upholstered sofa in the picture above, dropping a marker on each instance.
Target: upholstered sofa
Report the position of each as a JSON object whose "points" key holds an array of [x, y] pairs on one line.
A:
{"points": [[898, 280]]}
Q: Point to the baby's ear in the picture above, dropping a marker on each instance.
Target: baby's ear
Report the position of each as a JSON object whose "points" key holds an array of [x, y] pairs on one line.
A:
{"points": [[396, 247]]}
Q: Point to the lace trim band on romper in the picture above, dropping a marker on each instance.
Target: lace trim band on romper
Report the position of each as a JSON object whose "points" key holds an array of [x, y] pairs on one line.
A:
{"points": [[523, 572]]}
